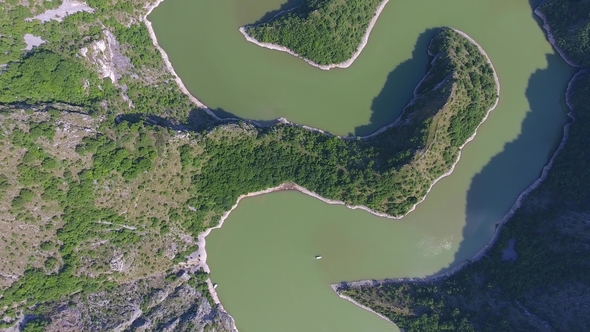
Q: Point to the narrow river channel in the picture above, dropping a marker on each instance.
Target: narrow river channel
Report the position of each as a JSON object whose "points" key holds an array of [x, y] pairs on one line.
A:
{"points": [[263, 256]]}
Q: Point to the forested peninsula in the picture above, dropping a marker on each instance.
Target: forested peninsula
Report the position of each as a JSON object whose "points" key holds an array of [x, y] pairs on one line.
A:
{"points": [[535, 277], [325, 33]]}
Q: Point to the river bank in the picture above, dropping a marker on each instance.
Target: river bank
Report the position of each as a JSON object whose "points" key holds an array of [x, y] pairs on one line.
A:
{"points": [[384, 128], [345, 64], [551, 38], [168, 64], [436, 277], [199, 104]]}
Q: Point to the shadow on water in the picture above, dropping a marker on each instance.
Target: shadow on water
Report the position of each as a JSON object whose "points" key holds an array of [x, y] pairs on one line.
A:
{"points": [[487, 201], [399, 86], [270, 14]]}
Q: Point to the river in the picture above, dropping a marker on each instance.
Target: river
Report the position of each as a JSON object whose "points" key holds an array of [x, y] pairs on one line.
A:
{"points": [[263, 256]]}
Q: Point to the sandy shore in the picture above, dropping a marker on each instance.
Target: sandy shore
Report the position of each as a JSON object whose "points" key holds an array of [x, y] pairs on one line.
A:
{"points": [[551, 38], [345, 64]]}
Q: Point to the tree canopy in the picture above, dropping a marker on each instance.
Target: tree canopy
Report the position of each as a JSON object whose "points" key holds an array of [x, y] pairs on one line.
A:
{"points": [[323, 31]]}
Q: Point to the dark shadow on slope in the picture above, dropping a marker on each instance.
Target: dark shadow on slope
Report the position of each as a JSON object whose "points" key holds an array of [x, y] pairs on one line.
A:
{"points": [[270, 14], [488, 198], [399, 87], [197, 120], [534, 4], [225, 115]]}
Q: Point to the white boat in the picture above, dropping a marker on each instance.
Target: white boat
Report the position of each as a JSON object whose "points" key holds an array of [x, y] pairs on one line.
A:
{"points": [[318, 257]]}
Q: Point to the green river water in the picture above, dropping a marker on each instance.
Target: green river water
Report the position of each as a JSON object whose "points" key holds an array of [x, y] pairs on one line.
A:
{"points": [[263, 256]]}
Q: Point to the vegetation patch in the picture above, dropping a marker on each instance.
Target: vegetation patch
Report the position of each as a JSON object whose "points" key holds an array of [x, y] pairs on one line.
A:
{"points": [[570, 26], [323, 31], [63, 240], [46, 77]]}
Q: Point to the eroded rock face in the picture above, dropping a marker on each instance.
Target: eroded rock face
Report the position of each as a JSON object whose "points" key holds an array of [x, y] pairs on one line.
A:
{"points": [[106, 56], [152, 304], [32, 41]]}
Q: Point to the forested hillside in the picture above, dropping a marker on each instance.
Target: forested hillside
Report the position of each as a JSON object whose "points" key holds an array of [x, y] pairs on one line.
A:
{"points": [[84, 197], [124, 199], [569, 23]]}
